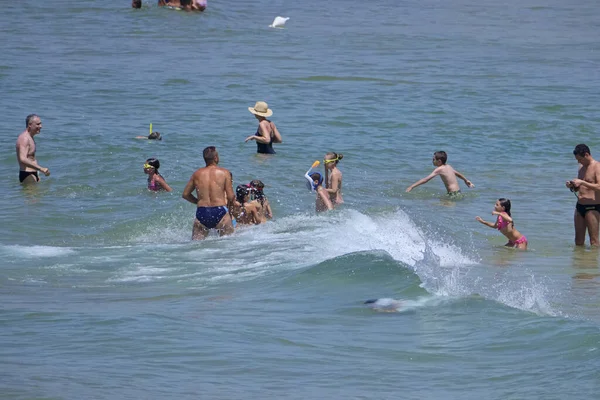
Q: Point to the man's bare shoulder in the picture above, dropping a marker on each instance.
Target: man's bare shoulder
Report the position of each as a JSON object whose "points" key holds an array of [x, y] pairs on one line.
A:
{"points": [[23, 138]]}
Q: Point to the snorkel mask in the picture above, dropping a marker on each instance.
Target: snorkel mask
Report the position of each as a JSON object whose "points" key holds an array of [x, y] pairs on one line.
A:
{"points": [[311, 185]]}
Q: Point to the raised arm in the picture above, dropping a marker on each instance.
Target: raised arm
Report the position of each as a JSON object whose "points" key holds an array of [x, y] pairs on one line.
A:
{"points": [[309, 179], [423, 180], [461, 176], [187, 191], [495, 225]]}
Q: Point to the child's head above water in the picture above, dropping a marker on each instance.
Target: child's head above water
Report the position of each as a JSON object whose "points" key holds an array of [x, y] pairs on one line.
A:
{"points": [[317, 179], [241, 192], [332, 159], [440, 158], [152, 164], [503, 205]]}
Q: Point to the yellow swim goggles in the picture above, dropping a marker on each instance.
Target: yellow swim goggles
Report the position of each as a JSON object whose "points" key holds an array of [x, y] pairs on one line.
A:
{"points": [[330, 161], [147, 166]]}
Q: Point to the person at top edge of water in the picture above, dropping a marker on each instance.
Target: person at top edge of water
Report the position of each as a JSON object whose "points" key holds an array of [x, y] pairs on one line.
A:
{"points": [[260, 201], [243, 210], [25, 147], [136, 3], [156, 182], [333, 177], [267, 132], [214, 191], [505, 224], [446, 172], [187, 5], [587, 187]]}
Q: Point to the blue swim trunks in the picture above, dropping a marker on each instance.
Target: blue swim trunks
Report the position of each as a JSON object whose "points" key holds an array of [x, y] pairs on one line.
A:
{"points": [[211, 216]]}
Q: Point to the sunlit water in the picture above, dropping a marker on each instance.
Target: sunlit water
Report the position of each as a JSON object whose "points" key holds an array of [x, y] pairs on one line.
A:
{"points": [[103, 295]]}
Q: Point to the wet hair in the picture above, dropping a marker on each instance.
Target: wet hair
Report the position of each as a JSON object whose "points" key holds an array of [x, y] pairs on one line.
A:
{"points": [[581, 150], [441, 155], [210, 154], [155, 136], [335, 156], [29, 118], [258, 187], [154, 163], [241, 191], [136, 3], [506, 204], [315, 176]]}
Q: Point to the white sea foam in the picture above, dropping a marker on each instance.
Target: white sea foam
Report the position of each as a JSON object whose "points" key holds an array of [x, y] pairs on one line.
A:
{"points": [[35, 251]]}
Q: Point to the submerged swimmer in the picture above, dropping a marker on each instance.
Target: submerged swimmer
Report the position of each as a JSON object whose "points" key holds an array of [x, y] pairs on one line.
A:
{"points": [[384, 305], [152, 136]]}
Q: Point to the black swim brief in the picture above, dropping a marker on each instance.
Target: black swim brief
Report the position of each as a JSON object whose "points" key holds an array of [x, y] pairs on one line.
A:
{"points": [[582, 209], [24, 174]]}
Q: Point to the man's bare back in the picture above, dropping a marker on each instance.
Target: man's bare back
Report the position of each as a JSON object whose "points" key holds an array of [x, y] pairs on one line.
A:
{"points": [[215, 192], [211, 184]]}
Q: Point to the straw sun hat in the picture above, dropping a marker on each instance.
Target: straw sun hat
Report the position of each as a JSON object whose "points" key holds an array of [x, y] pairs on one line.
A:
{"points": [[261, 108]]}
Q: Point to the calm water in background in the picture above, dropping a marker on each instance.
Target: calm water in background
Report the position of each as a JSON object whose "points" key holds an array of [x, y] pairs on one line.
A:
{"points": [[104, 296]]}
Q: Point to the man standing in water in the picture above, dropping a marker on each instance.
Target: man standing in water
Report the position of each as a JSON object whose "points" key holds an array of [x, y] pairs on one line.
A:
{"points": [[587, 188], [215, 192], [28, 166]]}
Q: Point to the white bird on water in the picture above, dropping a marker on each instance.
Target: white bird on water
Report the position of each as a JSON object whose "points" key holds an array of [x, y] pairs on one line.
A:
{"points": [[279, 22]]}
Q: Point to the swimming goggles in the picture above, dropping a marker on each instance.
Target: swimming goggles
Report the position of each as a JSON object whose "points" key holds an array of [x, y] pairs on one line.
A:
{"points": [[147, 166], [330, 161]]}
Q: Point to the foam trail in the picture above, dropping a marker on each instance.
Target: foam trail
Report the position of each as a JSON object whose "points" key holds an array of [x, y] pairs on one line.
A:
{"points": [[35, 251]]}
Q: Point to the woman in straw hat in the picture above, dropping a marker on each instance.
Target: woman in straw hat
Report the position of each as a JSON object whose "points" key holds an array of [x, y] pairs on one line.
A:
{"points": [[267, 132]]}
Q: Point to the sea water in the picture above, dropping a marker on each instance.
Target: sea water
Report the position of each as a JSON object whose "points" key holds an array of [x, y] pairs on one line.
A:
{"points": [[103, 295]]}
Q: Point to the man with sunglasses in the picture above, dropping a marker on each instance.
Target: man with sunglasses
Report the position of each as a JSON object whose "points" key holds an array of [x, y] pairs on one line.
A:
{"points": [[214, 191]]}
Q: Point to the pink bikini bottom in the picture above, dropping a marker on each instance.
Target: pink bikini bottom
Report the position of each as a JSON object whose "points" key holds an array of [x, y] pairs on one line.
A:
{"points": [[520, 240]]}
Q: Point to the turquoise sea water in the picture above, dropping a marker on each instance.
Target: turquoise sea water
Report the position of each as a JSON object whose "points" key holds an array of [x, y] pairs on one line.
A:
{"points": [[104, 296]]}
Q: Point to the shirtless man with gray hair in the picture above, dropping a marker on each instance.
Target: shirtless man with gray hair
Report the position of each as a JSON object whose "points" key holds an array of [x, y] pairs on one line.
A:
{"points": [[28, 166]]}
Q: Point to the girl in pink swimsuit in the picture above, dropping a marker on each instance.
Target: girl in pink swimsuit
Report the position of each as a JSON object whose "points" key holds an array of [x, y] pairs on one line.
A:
{"points": [[505, 224], [156, 182]]}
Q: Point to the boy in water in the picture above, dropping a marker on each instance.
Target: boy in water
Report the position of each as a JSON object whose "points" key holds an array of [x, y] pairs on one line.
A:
{"points": [[446, 172]]}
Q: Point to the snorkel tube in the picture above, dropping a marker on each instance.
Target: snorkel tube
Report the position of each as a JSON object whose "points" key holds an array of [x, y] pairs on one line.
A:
{"points": [[310, 184]]}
